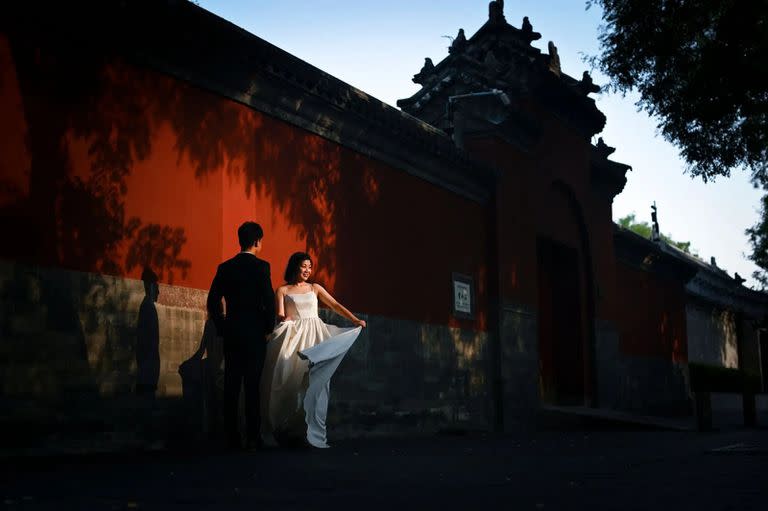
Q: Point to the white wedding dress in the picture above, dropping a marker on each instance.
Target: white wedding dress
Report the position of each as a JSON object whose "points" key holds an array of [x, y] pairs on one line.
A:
{"points": [[302, 354]]}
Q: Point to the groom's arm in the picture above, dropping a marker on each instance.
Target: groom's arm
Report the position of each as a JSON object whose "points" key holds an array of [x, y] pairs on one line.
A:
{"points": [[215, 307], [267, 298]]}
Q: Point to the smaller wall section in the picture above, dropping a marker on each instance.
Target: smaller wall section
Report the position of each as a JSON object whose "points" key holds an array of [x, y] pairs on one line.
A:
{"points": [[712, 335]]}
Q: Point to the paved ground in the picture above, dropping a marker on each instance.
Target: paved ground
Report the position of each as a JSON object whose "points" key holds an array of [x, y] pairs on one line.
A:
{"points": [[622, 470]]}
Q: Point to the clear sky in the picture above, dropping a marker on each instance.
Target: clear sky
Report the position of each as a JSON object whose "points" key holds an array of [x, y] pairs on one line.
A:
{"points": [[378, 46]]}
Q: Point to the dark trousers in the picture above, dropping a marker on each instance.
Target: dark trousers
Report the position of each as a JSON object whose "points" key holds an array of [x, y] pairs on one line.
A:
{"points": [[243, 364]]}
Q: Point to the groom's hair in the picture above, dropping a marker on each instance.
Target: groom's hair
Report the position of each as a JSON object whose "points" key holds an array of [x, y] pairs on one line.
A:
{"points": [[294, 263], [248, 234]]}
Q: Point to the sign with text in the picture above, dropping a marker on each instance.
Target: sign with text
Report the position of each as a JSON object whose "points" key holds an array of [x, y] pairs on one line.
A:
{"points": [[463, 296]]}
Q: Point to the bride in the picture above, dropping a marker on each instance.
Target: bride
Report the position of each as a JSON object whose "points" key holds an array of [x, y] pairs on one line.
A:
{"points": [[302, 354]]}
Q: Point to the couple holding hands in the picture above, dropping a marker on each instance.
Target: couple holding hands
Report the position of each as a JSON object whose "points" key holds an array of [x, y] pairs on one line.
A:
{"points": [[284, 365]]}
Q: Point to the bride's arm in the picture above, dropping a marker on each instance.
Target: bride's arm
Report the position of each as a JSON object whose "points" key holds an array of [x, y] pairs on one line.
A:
{"points": [[335, 306], [280, 304]]}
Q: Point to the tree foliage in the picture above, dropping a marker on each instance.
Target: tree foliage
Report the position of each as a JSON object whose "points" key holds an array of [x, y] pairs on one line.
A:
{"points": [[699, 68], [758, 238], [644, 229]]}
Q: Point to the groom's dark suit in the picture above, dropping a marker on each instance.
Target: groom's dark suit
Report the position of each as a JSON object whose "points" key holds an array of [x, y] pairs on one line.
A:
{"points": [[245, 284]]}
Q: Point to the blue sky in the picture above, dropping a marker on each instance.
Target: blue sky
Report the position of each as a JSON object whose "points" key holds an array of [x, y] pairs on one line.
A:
{"points": [[378, 46]]}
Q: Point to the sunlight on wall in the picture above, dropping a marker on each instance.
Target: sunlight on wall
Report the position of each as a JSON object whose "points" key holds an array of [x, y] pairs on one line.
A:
{"points": [[460, 354], [712, 336], [729, 348]]}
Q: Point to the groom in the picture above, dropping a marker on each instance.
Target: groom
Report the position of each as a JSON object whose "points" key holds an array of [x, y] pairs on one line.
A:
{"points": [[245, 285]]}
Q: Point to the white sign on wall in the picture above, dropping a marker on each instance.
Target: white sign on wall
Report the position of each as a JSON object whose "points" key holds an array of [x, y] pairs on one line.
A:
{"points": [[463, 299]]}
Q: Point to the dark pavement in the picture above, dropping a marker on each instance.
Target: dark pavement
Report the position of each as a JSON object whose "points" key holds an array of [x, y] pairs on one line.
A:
{"points": [[619, 470]]}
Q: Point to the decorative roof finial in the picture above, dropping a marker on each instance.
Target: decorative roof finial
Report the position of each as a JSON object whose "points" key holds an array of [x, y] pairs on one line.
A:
{"points": [[587, 85], [496, 12], [528, 33], [426, 71], [655, 232], [603, 149], [459, 43], [554, 58]]}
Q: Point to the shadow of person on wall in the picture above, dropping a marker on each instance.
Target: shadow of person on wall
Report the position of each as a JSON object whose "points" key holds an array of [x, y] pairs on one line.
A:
{"points": [[148, 338], [213, 379], [147, 354], [202, 383]]}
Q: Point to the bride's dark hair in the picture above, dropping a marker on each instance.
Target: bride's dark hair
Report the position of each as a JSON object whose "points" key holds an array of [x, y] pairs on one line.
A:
{"points": [[294, 263]]}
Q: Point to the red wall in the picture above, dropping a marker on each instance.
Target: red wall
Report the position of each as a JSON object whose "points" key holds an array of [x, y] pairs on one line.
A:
{"points": [[108, 168], [652, 319], [530, 206], [546, 192]]}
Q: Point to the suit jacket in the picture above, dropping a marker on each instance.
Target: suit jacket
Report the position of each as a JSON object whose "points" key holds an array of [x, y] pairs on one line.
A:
{"points": [[245, 284]]}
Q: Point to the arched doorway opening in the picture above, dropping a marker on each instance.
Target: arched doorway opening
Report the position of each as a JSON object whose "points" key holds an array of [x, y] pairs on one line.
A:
{"points": [[565, 302]]}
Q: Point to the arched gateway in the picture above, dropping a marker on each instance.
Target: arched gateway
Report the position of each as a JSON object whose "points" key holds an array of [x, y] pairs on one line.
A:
{"points": [[565, 301]]}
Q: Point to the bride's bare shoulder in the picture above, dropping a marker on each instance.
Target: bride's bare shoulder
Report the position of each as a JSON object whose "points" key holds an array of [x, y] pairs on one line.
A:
{"points": [[282, 289], [317, 288]]}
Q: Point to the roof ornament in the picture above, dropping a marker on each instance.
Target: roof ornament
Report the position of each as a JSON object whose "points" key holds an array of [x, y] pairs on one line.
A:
{"points": [[426, 72], [528, 34], [587, 85], [554, 58], [459, 43], [603, 149], [496, 12], [655, 232]]}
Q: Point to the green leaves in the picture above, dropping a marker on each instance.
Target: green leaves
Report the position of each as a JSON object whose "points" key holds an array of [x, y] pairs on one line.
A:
{"points": [[758, 238], [644, 229], [699, 67]]}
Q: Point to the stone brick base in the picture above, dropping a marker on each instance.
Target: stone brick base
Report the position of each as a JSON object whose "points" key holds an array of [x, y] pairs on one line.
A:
{"points": [[646, 385], [68, 362]]}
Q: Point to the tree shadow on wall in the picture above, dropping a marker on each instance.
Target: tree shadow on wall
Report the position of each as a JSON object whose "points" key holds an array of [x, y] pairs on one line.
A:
{"points": [[77, 219], [299, 173], [74, 218], [76, 95]]}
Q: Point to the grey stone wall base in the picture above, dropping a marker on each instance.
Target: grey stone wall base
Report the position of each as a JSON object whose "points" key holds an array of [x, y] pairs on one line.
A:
{"points": [[69, 350], [645, 385], [403, 375], [519, 366]]}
